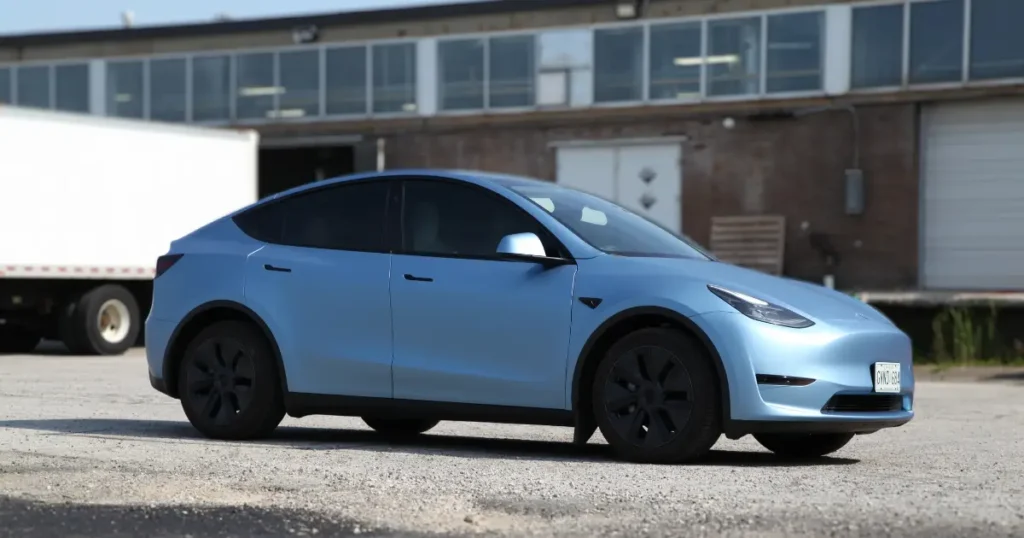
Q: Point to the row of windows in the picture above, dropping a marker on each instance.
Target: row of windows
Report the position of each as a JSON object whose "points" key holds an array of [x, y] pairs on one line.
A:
{"points": [[935, 49], [62, 87], [914, 42], [668, 61]]}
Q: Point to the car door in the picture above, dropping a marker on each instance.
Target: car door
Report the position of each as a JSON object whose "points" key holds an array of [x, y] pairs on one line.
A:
{"points": [[470, 327], [321, 283]]}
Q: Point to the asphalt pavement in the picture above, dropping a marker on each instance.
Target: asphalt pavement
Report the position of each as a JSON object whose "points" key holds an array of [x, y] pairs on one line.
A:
{"points": [[88, 449]]}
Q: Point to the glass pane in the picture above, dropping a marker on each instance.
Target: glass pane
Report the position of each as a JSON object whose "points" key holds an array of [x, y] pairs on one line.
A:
{"points": [[394, 78], [300, 84], [72, 87], [512, 71], [936, 41], [675, 61], [449, 218], [256, 89], [124, 90], [618, 65], [461, 74], [6, 91], [167, 90], [346, 81], [211, 88], [877, 46], [734, 56], [794, 52], [997, 39], [34, 86], [346, 217]]}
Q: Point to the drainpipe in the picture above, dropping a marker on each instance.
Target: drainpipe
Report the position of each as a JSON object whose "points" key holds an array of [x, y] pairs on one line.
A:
{"points": [[381, 144]]}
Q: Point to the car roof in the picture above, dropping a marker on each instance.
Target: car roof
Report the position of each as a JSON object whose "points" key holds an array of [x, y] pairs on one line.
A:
{"points": [[491, 180]]}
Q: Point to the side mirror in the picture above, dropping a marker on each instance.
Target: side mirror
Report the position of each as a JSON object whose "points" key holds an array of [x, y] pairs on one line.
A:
{"points": [[522, 245], [528, 247]]}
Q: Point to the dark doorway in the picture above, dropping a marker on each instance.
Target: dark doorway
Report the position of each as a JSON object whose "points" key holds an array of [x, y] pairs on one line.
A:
{"points": [[283, 168]]}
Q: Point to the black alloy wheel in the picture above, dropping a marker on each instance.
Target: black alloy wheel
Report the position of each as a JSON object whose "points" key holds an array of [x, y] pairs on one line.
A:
{"points": [[228, 383], [655, 397], [220, 380], [648, 397]]}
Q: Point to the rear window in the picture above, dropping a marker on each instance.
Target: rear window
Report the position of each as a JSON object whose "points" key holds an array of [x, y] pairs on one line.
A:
{"points": [[350, 216]]}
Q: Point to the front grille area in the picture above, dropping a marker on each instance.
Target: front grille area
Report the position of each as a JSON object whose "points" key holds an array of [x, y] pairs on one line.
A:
{"points": [[863, 403]]}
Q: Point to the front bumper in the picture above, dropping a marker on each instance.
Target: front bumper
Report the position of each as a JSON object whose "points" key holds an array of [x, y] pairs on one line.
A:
{"points": [[838, 357]]}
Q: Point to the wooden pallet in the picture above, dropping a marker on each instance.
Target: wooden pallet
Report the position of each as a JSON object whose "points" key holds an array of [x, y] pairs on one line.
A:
{"points": [[756, 242]]}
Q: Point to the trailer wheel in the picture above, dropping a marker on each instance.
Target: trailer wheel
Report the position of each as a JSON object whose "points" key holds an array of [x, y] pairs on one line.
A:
{"points": [[15, 339], [103, 321]]}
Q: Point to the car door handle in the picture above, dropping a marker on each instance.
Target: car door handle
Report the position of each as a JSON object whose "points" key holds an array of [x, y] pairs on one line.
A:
{"points": [[269, 267], [418, 278]]}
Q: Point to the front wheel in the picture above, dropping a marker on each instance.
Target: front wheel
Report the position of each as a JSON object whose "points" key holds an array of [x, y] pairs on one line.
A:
{"points": [[808, 445], [400, 427], [656, 398]]}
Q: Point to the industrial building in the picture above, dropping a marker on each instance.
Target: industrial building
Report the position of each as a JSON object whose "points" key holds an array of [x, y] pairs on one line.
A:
{"points": [[888, 134]]}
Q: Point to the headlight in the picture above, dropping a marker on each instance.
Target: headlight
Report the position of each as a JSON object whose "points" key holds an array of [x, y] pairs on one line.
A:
{"points": [[759, 310]]}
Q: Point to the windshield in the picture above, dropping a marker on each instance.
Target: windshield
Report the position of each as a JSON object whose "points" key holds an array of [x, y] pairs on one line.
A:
{"points": [[610, 227]]}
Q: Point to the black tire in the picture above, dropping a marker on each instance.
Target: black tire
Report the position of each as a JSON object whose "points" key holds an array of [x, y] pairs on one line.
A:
{"points": [[228, 383], [801, 446], [400, 427], [662, 379], [18, 340], [80, 321]]}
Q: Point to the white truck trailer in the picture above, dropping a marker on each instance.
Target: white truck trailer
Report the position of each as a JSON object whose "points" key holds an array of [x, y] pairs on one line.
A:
{"points": [[87, 204]]}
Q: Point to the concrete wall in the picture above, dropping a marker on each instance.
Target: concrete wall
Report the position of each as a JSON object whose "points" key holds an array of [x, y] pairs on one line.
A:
{"points": [[792, 167]]}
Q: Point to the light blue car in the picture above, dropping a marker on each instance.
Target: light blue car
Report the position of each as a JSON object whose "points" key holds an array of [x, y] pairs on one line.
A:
{"points": [[410, 297]]}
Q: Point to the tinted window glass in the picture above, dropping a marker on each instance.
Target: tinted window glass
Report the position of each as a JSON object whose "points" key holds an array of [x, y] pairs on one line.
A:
{"points": [[347, 217], [451, 219]]}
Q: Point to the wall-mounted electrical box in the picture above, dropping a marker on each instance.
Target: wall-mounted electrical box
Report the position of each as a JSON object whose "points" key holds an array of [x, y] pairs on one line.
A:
{"points": [[854, 189]]}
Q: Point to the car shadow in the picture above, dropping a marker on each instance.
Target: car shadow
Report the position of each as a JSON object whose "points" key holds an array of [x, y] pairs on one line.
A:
{"points": [[54, 348], [305, 438]]}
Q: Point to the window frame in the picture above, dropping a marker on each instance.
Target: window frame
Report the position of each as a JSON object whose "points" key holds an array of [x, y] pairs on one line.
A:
{"points": [[277, 200], [904, 45], [397, 220], [821, 17]]}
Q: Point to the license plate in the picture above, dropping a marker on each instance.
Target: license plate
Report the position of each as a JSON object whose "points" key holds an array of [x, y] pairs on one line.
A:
{"points": [[887, 377]]}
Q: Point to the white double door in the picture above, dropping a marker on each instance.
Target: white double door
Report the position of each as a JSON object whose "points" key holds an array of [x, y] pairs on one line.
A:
{"points": [[646, 178]]}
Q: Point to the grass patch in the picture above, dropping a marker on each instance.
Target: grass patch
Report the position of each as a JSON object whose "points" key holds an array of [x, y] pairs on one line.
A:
{"points": [[970, 337]]}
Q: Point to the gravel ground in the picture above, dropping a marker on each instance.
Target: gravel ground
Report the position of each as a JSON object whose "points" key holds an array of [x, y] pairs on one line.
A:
{"points": [[87, 448]]}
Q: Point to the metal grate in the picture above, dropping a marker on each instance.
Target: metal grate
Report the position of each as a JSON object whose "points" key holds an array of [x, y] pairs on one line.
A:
{"points": [[864, 403]]}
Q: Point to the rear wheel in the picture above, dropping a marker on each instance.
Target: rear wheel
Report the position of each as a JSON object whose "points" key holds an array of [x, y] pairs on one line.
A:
{"points": [[103, 321], [400, 427], [656, 399], [808, 445], [16, 339], [228, 383]]}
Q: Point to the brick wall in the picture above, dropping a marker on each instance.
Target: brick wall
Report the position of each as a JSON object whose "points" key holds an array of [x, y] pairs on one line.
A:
{"points": [[792, 167]]}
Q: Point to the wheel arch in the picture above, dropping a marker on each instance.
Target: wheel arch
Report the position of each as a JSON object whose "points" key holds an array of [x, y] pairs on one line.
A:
{"points": [[203, 316], [623, 323]]}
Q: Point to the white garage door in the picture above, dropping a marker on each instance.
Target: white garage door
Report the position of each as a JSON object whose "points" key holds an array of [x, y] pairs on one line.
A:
{"points": [[646, 178], [972, 164]]}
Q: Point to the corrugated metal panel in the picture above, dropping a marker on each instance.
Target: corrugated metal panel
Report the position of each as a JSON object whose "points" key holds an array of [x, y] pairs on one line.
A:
{"points": [[972, 164]]}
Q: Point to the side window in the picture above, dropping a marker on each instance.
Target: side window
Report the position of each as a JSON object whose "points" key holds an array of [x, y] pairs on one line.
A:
{"points": [[450, 219], [345, 217]]}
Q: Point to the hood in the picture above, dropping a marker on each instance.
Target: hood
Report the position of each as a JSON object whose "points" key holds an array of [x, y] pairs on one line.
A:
{"points": [[805, 298]]}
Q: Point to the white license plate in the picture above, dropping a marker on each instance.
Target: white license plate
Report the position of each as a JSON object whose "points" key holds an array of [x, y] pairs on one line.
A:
{"points": [[887, 377]]}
